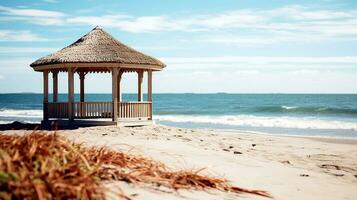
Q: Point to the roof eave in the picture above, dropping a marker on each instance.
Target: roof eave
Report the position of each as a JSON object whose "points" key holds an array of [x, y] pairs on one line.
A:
{"points": [[88, 66]]}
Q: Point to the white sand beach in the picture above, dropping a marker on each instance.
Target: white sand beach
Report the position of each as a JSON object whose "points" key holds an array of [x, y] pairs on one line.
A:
{"points": [[287, 167]]}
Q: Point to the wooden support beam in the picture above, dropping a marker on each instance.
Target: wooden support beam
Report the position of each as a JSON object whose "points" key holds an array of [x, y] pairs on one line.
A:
{"points": [[45, 95], [115, 72], [55, 86], [81, 85], [70, 93], [140, 85], [120, 74], [149, 95]]}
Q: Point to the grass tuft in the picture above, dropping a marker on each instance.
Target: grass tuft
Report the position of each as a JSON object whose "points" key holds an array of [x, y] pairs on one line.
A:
{"points": [[47, 166]]}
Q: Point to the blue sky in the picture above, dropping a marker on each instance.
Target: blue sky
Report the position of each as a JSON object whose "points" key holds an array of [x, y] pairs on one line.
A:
{"points": [[209, 46]]}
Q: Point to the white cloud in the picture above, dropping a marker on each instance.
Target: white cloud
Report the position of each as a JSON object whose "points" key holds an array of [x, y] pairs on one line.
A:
{"points": [[1, 77], [278, 25], [22, 35], [262, 60], [231, 19], [125, 22], [297, 12], [29, 12], [27, 49], [50, 1], [267, 81], [241, 40], [156, 48], [161, 23], [16, 63], [289, 18], [231, 64], [35, 16]]}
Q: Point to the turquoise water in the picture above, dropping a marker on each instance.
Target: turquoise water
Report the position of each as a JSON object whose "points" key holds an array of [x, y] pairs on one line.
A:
{"points": [[298, 114]]}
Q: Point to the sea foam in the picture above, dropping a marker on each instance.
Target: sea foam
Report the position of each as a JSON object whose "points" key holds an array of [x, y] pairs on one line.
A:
{"points": [[21, 113], [262, 121], [231, 120]]}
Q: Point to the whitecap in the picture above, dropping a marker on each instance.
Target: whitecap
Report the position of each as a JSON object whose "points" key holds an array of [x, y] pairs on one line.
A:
{"points": [[21, 113], [262, 121], [289, 107]]}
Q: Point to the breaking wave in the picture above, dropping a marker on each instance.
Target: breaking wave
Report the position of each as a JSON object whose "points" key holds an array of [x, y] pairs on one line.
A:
{"points": [[313, 110], [21, 113], [262, 121], [27, 116]]}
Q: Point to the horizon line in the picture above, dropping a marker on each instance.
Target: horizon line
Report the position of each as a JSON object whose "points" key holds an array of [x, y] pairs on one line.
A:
{"points": [[188, 93]]}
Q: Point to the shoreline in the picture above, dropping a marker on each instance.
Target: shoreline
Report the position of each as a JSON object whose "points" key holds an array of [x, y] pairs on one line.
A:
{"points": [[331, 139]]}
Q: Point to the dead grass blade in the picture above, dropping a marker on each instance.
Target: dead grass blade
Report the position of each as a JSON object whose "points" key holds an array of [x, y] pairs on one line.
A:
{"points": [[46, 166]]}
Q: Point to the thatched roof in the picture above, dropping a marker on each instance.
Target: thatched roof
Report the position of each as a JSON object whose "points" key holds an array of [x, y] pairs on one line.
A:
{"points": [[98, 46]]}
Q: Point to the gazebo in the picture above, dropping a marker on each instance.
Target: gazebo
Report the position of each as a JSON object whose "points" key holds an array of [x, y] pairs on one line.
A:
{"points": [[97, 52]]}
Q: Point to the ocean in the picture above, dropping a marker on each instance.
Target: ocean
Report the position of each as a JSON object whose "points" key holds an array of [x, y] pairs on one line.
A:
{"points": [[326, 115]]}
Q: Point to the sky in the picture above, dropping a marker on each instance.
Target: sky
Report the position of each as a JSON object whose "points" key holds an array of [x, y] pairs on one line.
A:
{"points": [[233, 46]]}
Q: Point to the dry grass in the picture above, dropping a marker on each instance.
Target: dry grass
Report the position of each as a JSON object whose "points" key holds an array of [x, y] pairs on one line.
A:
{"points": [[46, 166]]}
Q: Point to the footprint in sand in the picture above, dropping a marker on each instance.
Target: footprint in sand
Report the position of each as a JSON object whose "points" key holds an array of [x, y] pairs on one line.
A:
{"points": [[304, 175], [330, 166], [285, 162]]}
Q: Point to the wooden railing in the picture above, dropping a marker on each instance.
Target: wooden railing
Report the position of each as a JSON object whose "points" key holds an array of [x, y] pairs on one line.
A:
{"points": [[92, 109], [87, 110], [57, 110], [135, 110]]}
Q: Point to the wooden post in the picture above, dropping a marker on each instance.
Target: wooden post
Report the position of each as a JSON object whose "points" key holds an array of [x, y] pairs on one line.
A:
{"points": [[81, 92], [149, 85], [81, 78], [115, 94], [119, 88], [70, 94], [150, 92], [45, 96], [140, 83], [55, 86]]}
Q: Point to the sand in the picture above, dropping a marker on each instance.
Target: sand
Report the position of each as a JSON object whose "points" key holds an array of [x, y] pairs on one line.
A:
{"points": [[286, 167]]}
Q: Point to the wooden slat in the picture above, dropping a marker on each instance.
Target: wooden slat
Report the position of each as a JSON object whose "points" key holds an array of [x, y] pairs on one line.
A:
{"points": [[56, 110], [134, 109], [101, 109]]}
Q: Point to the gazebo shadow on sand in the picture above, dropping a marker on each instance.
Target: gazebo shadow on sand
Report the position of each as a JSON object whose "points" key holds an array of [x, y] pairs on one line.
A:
{"points": [[97, 52], [40, 126]]}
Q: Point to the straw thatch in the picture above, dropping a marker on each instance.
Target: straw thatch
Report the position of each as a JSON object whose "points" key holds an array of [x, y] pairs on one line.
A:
{"points": [[98, 46]]}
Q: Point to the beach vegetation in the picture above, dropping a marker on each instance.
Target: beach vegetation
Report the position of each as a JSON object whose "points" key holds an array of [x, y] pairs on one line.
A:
{"points": [[48, 166]]}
